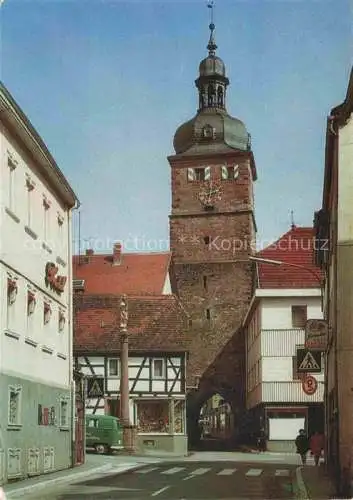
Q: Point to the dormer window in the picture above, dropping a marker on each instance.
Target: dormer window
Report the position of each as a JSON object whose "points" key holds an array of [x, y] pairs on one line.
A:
{"points": [[209, 132], [47, 313], [31, 302], [12, 290]]}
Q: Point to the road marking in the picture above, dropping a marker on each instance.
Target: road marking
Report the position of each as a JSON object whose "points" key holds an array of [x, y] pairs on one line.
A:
{"points": [[282, 472], [196, 472], [145, 471], [254, 472], [173, 470], [199, 472], [226, 472], [159, 491]]}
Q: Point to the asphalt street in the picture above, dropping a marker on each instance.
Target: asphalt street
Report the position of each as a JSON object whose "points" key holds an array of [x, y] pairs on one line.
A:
{"points": [[184, 481]]}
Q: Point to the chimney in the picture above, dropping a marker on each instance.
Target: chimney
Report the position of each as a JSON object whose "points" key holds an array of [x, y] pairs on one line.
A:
{"points": [[117, 250], [87, 257]]}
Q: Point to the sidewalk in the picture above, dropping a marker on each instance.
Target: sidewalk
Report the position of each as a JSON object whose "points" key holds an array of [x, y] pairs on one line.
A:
{"points": [[314, 483], [94, 466]]}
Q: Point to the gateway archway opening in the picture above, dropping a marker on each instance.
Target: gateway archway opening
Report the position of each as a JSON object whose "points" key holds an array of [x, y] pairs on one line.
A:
{"points": [[214, 425]]}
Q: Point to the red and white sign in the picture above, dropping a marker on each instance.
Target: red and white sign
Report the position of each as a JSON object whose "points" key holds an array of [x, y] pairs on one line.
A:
{"points": [[309, 384]]}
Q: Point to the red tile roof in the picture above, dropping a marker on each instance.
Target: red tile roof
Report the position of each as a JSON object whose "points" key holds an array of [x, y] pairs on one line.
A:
{"points": [[295, 247], [155, 324], [138, 273]]}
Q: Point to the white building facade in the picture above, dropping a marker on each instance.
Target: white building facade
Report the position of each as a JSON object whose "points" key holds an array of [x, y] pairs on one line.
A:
{"points": [[36, 363], [285, 298], [274, 387]]}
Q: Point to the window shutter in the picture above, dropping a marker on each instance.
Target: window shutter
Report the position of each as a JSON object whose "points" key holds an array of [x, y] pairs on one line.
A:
{"points": [[224, 172], [236, 171], [191, 174], [207, 173]]}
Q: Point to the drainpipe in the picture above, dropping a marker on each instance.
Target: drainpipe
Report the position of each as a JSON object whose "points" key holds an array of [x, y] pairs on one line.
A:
{"points": [[71, 335]]}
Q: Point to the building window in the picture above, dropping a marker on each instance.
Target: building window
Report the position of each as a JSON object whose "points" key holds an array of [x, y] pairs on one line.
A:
{"points": [[12, 290], [14, 402], [208, 314], [199, 174], [207, 240], [61, 321], [12, 164], [46, 313], [31, 303], [113, 367], [229, 173], [30, 187], [299, 316], [179, 416], [64, 413], [152, 416], [158, 368], [46, 220]]}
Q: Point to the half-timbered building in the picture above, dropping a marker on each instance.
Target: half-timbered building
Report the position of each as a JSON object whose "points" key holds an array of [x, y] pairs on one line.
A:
{"points": [[158, 346]]}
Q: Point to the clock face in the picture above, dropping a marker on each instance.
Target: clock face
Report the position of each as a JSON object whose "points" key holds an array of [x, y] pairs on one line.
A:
{"points": [[210, 193]]}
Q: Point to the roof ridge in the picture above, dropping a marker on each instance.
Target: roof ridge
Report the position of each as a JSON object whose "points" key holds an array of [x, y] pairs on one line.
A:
{"points": [[167, 252], [284, 235]]}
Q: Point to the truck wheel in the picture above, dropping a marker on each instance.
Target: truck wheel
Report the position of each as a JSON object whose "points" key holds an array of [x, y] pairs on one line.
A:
{"points": [[100, 448]]}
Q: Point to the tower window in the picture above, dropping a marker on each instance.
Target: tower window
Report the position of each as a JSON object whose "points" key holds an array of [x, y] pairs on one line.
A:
{"points": [[199, 174], [229, 173], [205, 282], [207, 240], [208, 314]]}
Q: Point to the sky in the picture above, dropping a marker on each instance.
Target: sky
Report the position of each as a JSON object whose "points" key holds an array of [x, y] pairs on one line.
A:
{"points": [[107, 83]]}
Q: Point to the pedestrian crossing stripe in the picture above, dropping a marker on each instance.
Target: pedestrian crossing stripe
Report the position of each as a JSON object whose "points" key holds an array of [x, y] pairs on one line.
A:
{"points": [[254, 472], [226, 472], [203, 470], [282, 472], [309, 363], [173, 470]]}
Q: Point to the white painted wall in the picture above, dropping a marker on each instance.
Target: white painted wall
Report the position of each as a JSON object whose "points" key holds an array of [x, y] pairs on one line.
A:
{"points": [[345, 182], [275, 348], [276, 312], [30, 237]]}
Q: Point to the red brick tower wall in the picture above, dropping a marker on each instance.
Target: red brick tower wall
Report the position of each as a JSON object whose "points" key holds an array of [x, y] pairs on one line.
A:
{"points": [[214, 279]]}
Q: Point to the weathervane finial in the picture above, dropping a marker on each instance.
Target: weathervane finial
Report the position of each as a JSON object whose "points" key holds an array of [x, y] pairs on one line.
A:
{"points": [[292, 219], [211, 44]]}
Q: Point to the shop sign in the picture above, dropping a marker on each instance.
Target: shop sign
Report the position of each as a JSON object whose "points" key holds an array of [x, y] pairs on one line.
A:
{"points": [[316, 334]]}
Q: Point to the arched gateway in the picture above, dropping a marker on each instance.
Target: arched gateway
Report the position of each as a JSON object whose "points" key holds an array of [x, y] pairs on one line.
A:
{"points": [[212, 231]]}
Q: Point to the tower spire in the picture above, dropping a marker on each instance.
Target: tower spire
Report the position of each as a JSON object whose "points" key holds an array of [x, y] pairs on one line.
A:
{"points": [[211, 43]]}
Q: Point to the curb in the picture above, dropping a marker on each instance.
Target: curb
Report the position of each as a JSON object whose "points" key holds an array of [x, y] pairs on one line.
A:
{"points": [[20, 492], [302, 492]]}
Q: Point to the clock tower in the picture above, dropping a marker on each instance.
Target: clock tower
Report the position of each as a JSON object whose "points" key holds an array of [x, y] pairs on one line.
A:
{"points": [[212, 232]]}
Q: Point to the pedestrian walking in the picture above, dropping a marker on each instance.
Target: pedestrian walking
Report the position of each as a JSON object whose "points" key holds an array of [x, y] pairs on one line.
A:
{"points": [[302, 444], [261, 441], [317, 444]]}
